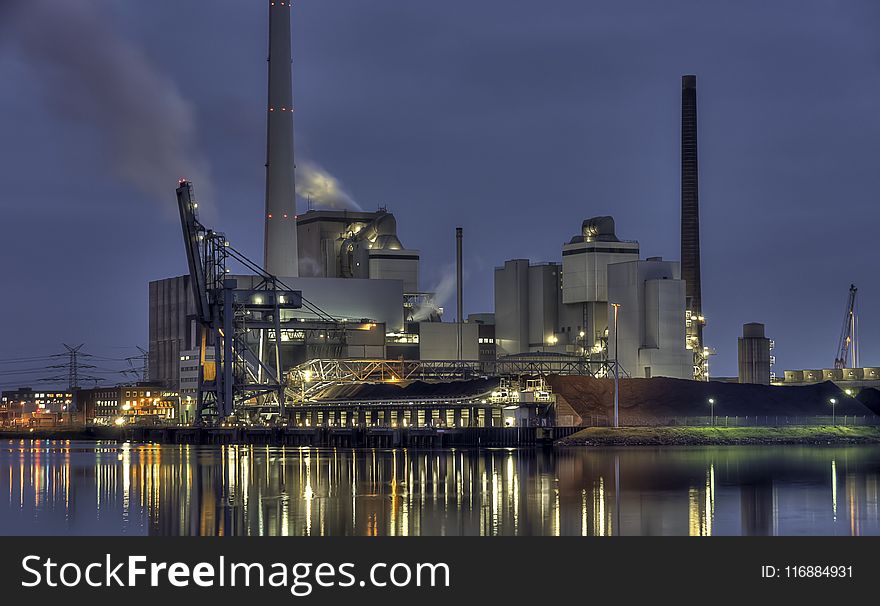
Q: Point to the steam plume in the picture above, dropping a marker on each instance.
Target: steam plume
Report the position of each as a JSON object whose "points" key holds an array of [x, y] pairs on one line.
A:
{"points": [[92, 75], [323, 189], [444, 292]]}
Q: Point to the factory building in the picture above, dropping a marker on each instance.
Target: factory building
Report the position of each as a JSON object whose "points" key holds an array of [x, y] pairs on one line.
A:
{"points": [[650, 339], [347, 244], [753, 355], [361, 285], [356, 302], [561, 308], [585, 261], [526, 309], [141, 402], [439, 341], [25, 405]]}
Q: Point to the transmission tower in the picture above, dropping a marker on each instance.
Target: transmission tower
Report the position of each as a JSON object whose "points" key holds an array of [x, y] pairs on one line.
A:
{"points": [[74, 365]]}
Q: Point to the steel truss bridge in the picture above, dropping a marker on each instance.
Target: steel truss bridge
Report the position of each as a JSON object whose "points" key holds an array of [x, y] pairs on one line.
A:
{"points": [[311, 378]]}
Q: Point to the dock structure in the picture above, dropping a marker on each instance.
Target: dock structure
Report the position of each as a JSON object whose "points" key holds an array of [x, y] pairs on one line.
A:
{"points": [[354, 437]]}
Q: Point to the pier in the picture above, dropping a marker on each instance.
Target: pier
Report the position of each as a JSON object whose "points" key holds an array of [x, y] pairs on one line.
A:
{"points": [[341, 437]]}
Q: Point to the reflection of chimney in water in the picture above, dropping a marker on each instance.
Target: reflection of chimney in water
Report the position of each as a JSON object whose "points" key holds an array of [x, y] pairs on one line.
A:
{"points": [[690, 208], [280, 252]]}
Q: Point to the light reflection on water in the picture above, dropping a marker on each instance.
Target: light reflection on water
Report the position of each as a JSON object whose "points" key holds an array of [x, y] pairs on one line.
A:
{"points": [[61, 487]]}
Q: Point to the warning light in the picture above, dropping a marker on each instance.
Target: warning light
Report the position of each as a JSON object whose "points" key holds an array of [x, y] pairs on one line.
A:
{"points": [[270, 215]]}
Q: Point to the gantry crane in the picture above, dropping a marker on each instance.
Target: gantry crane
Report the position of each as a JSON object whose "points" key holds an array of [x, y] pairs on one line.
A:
{"points": [[848, 345], [243, 323]]}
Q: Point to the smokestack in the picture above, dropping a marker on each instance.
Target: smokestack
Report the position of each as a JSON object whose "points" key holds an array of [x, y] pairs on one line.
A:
{"points": [[458, 287], [280, 254], [690, 207]]}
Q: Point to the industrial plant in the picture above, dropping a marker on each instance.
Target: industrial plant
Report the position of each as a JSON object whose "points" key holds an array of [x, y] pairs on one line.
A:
{"points": [[332, 327]]}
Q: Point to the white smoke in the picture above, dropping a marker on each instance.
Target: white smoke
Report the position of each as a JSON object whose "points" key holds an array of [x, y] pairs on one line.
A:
{"points": [[444, 292], [309, 267], [91, 74], [315, 184]]}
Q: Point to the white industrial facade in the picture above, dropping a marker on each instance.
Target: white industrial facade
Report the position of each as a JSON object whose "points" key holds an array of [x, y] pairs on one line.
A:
{"points": [[563, 307], [651, 323]]}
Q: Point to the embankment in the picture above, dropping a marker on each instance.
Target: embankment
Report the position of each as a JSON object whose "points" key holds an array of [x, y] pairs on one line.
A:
{"points": [[721, 436], [658, 401]]}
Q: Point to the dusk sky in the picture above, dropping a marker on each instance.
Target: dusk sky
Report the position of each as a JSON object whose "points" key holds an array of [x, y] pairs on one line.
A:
{"points": [[514, 120]]}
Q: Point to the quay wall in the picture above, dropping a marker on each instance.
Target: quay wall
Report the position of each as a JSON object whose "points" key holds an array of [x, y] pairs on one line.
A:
{"points": [[342, 437]]}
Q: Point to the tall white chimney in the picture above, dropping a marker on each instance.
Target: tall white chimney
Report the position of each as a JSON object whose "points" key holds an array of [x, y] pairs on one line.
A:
{"points": [[280, 254]]}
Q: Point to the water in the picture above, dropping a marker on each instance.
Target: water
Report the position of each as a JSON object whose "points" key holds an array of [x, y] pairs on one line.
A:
{"points": [[62, 487]]}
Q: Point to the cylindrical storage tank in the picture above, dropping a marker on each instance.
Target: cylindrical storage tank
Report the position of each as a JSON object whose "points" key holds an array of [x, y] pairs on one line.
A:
{"points": [[754, 355]]}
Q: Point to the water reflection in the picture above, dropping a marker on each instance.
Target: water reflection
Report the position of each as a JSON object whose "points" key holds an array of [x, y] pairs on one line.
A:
{"points": [[56, 487]]}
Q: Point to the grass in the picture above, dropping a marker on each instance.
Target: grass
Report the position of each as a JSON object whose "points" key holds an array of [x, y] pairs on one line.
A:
{"points": [[821, 434]]}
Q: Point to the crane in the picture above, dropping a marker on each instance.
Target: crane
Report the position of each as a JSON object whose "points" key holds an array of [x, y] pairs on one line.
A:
{"points": [[848, 344], [244, 323]]}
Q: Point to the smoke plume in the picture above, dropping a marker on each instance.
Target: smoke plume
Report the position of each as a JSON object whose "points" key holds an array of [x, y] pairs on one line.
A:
{"points": [[322, 189], [444, 292], [91, 74]]}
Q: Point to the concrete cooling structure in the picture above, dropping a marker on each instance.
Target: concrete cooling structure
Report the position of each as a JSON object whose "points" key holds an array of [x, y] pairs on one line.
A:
{"points": [[563, 309]]}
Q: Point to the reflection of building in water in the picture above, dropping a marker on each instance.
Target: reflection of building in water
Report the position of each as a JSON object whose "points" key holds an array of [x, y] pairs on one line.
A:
{"points": [[757, 508], [701, 506], [63, 488]]}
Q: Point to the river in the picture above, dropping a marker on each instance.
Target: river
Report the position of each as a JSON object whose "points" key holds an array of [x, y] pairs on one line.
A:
{"points": [[108, 488]]}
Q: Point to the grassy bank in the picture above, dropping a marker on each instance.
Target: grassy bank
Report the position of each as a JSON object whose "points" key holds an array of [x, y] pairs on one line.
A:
{"points": [[685, 436]]}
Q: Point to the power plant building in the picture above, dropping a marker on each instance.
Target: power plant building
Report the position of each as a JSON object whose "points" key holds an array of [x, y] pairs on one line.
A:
{"points": [[561, 308], [753, 350], [361, 286], [356, 302], [349, 244], [650, 337], [585, 261]]}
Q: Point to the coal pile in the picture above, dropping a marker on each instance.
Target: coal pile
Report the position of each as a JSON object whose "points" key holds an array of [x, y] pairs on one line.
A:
{"points": [[656, 399]]}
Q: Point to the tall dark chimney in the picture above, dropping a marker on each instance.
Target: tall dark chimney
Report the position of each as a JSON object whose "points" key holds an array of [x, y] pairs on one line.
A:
{"points": [[458, 289], [690, 204]]}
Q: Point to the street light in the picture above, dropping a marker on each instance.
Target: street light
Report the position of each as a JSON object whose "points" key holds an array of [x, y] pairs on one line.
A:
{"points": [[712, 409], [833, 401], [616, 307]]}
